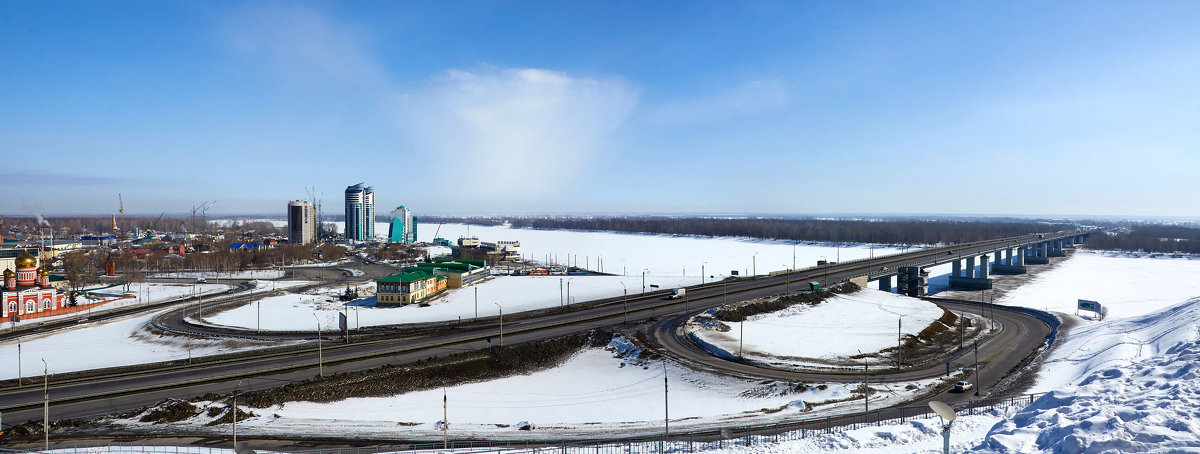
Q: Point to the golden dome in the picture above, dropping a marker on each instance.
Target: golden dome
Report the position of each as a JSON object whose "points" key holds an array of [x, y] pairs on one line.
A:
{"points": [[9, 273], [26, 261], [44, 272]]}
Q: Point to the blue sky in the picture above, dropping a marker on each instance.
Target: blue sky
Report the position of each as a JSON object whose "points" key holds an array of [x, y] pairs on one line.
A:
{"points": [[496, 107]]}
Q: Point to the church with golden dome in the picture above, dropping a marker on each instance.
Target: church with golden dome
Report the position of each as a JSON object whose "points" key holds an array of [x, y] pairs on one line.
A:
{"points": [[28, 290]]}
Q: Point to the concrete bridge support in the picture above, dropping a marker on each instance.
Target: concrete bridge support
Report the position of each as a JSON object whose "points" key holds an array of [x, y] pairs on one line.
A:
{"points": [[1039, 256], [885, 283], [1010, 263], [1056, 249], [969, 279]]}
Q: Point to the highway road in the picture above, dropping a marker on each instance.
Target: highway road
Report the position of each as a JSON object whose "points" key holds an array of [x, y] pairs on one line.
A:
{"points": [[107, 393]]}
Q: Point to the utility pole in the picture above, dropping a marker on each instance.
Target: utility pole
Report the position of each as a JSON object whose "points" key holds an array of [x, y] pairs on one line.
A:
{"points": [[259, 306], [899, 341], [560, 292], [702, 272], [961, 328], [476, 302], [568, 292], [445, 422]]}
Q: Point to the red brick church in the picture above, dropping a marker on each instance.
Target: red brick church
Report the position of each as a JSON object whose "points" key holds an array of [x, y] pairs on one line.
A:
{"points": [[28, 291]]}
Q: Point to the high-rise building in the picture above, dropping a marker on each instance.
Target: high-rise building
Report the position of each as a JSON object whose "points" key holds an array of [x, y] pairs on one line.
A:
{"points": [[402, 229], [360, 212], [302, 222]]}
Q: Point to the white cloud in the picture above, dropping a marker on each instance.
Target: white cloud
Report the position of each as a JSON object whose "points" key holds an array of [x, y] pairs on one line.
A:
{"points": [[532, 129], [303, 44], [751, 97]]}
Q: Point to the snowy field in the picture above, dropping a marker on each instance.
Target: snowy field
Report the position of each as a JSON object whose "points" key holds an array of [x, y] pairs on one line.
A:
{"points": [[842, 326], [1128, 285], [662, 255], [597, 390]]}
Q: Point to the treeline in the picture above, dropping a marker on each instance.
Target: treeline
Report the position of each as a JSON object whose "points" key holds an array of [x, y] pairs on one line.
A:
{"points": [[814, 230], [1148, 238]]}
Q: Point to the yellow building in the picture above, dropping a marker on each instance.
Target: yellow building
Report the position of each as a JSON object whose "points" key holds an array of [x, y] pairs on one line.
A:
{"points": [[408, 288]]}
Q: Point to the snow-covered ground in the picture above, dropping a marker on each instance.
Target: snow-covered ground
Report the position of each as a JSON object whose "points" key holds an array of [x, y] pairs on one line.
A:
{"points": [[845, 325], [1128, 285], [596, 390], [101, 344], [138, 294]]}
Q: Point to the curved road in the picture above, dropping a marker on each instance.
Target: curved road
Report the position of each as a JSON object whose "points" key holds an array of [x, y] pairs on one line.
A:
{"points": [[109, 392]]}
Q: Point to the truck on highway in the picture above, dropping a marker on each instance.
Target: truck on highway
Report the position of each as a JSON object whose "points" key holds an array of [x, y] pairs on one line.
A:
{"points": [[678, 293]]}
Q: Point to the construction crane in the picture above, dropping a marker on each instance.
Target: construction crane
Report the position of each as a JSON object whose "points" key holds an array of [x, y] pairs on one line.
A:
{"points": [[121, 201], [202, 206], [150, 227], [316, 202]]}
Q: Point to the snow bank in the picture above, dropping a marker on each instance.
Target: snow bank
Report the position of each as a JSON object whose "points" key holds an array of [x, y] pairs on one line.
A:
{"points": [[1141, 391]]}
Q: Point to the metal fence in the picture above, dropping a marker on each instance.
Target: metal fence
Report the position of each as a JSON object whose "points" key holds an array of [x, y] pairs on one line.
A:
{"points": [[685, 442]]}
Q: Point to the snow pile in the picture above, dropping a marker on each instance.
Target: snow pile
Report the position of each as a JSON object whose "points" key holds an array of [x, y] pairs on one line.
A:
{"points": [[1146, 405], [838, 327]]}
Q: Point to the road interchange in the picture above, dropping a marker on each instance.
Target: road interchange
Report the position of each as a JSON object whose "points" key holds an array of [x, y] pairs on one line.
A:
{"points": [[104, 393]]}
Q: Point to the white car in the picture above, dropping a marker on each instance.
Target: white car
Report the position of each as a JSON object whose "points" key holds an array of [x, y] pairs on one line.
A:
{"points": [[962, 386]]}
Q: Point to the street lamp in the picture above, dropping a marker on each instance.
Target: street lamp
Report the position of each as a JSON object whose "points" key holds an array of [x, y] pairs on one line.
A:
{"points": [[320, 353], [702, 272], [501, 323], [46, 402], [866, 389], [625, 301], [754, 265], [947, 415], [644, 281]]}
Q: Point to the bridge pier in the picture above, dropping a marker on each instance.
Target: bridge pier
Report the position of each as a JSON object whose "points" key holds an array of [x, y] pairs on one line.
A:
{"points": [[1056, 249], [968, 280], [885, 283], [1009, 264], [912, 281], [1038, 255]]}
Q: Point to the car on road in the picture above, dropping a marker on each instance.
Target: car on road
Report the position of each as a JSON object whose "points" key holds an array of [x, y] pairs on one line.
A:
{"points": [[962, 386]]}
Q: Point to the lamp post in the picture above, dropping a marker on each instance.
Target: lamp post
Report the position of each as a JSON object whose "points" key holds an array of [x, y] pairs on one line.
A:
{"points": [[754, 265], [320, 352], [947, 414], [976, 367], [644, 281], [46, 402], [824, 271], [501, 323], [235, 393], [866, 389], [625, 301]]}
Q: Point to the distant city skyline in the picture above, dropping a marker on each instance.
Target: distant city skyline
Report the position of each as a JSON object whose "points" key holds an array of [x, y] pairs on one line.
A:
{"points": [[1064, 109]]}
